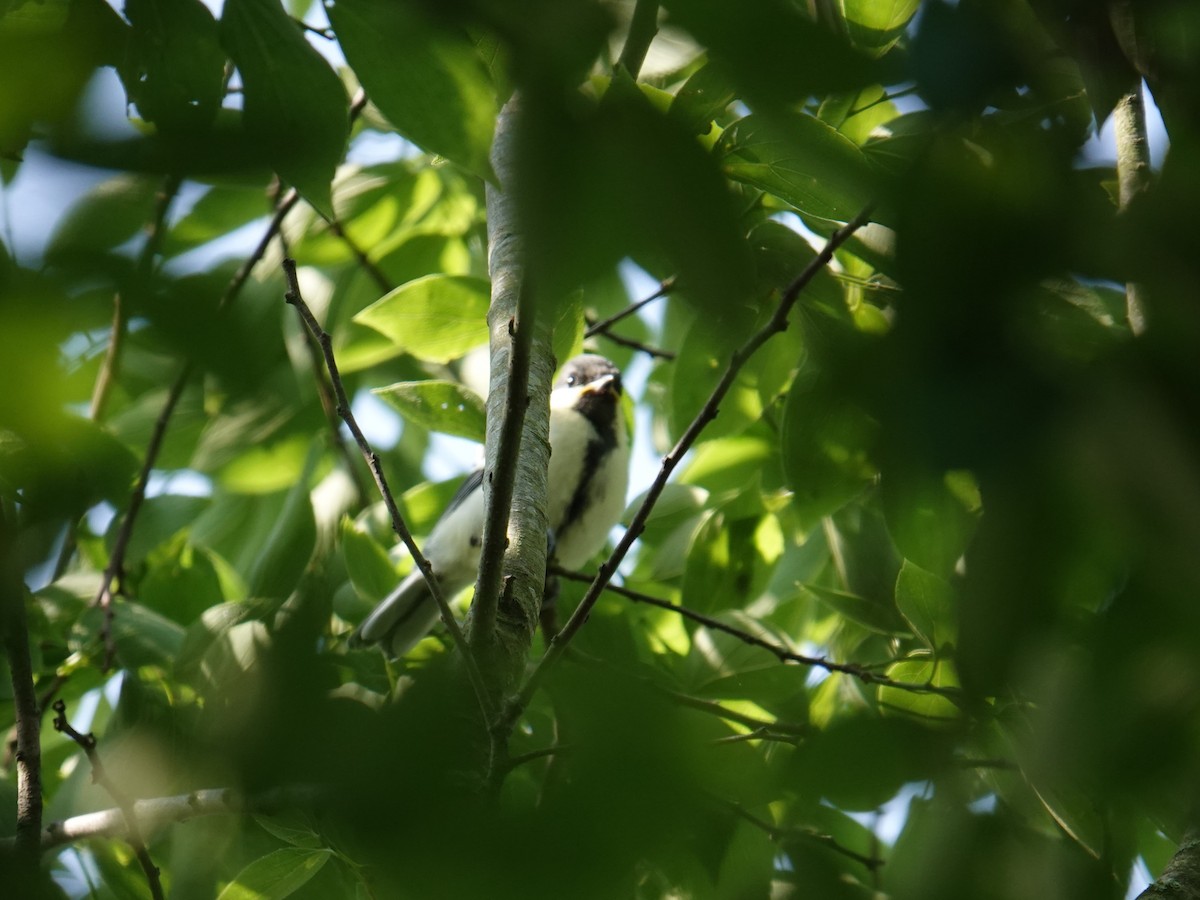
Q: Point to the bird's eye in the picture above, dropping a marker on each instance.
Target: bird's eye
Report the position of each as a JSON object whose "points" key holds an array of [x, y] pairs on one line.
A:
{"points": [[572, 380]]}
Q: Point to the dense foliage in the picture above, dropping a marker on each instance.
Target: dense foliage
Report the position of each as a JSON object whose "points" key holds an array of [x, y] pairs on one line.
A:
{"points": [[917, 616]]}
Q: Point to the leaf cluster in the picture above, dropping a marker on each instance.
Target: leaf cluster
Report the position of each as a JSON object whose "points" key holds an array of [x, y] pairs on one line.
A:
{"points": [[915, 617]]}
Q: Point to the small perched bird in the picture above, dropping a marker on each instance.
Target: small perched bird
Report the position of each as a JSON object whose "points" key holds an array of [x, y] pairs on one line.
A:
{"points": [[589, 472]]}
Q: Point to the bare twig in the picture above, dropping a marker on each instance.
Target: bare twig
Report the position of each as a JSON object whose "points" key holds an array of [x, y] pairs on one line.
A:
{"points": [[126, 803], [636, 345], [325, 340], [776, 324], [360, 255], [711, 707], [781, 834], [665, 287], [783, 654], [116, 562]]}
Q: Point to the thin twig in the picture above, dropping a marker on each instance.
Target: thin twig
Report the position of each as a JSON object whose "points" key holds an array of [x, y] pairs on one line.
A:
{"points": [[126, 803], [712, 707], [665, 287], [325, 340], [782, 653], [116, 562], [780, 834], [636, 345], [776, 324], [368, 265]]}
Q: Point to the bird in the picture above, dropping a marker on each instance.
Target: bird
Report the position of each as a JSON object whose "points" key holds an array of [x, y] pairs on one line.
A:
{"points": [[586, 485]]}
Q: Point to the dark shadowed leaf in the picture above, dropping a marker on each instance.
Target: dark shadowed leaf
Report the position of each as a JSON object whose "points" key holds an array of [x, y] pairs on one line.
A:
{"points": [[295, 106], [427, 80]]}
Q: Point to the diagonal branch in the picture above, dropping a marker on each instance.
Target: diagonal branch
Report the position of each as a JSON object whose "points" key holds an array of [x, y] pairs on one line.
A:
{"points": [[325, 340], [776, 324], [126, 803], [782, 653]]}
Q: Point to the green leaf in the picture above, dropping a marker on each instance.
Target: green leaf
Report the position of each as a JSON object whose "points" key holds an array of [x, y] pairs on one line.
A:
{"points": [[931, 517], [436, 318], [800, 160], [927, 602], [428, 81], [703, 97], [175, 73], [293, 831], [106, 216], [444, 406], [280, 561], [827, 446], [295, 106], [871, 614], [920, 669], [143, 637], [875, 25], [371, 571], [268, 467], [276, 875], [222, 209]]}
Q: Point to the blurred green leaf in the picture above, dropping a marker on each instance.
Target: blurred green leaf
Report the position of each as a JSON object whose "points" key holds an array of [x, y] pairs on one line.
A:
{"points": [[108, 215], [800, 160], [276, 875], [927, 602], [827, 445], [175, 70], [295, 106], [436, 318], [370, 569], [921, 669], [426, 79], [876, 26], [444, 406]]}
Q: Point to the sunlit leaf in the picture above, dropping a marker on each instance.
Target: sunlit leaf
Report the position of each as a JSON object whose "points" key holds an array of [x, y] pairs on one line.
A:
{"points": [[276, 875], [436, 318], [444, 406], [919, 670]]}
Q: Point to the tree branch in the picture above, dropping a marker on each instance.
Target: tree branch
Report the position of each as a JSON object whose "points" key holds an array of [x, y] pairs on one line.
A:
{"points": [[642, 29], [1180, 880], [1133, 179], [325, 340], [154, 813], [126, 803], [15, 628], [517, 443], [776, 324]]}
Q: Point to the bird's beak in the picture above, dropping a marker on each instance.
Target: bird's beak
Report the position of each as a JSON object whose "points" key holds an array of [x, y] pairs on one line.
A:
{"points": [[606, 384]]}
